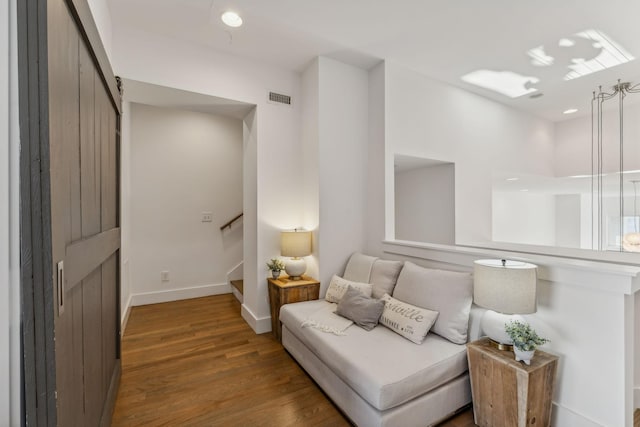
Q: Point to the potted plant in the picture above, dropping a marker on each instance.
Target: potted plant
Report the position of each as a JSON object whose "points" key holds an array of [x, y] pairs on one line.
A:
{"points": [[525, 340], [276, 266]]}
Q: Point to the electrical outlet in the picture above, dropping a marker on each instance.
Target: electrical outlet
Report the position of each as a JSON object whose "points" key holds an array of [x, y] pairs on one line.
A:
{"points": [[164, 276], [207, 216]]}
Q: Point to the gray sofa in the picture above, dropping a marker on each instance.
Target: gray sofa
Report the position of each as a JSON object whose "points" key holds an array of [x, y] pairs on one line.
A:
{"points": [[377, 377]]}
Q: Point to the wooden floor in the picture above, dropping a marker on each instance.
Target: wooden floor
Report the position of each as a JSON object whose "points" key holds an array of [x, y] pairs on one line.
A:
{"points": [[197, 363]]}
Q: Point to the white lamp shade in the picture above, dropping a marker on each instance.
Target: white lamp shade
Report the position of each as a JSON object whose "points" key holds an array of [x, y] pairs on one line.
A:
{"points": [[295, 243], [508, 288]]}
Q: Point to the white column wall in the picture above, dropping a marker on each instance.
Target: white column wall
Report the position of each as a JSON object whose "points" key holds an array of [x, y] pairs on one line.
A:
{"points": [[377, 209], [272, 152], [310, 171], [342, 161]]}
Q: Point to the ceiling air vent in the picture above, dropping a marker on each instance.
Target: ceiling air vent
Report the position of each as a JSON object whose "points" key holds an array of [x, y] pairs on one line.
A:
{"points": [[278, 98]]}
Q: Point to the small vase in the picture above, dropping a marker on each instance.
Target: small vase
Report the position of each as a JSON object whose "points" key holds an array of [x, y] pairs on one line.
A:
{"points": [[524, 356], [275, 273]]}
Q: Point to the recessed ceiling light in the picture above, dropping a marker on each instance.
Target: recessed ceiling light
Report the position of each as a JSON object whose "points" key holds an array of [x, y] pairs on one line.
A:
{"points": [[512, 179], [524, 190], [570, 111], [231, 19]]}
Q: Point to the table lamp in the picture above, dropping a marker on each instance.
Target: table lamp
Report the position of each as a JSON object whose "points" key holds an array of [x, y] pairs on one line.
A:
{"points": [[506, 289], [295, 244]]}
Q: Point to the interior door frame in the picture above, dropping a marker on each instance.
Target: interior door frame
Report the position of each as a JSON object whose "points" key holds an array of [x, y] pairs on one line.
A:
{"points": [[36, 274]]}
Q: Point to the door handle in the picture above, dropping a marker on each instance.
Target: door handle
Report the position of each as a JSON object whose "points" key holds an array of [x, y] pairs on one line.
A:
{"points": [[60, 288]]}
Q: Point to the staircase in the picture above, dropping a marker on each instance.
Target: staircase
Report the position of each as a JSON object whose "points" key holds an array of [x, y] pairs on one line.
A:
{"points": [[234, 278], [238, 285]]}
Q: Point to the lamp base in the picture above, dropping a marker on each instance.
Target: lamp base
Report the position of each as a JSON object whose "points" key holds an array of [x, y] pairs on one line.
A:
{"points": [[295, 268], [493, 325]]}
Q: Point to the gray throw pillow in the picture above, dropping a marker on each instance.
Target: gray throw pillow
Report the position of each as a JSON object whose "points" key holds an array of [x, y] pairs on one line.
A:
{"points": [[384, 275], [449, 293], [364, 311]]}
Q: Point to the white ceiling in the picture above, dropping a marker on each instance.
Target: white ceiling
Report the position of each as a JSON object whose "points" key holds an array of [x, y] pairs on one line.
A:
{"points": [[443, 39], [161, 96]]}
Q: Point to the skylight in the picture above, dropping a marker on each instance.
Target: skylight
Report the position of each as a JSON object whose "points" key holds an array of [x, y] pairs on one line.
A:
{"points": [[507, 83], [583, 53], [594, 51], [611, 54]]}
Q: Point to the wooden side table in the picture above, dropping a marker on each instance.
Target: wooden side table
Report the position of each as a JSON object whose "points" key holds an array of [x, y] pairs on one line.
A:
{"points": [[509, 393], [284, 291]]}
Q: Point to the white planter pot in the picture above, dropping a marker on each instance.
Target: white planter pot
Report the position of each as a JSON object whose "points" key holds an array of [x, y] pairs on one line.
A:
{"points": [[524, 356], [275, 273]]}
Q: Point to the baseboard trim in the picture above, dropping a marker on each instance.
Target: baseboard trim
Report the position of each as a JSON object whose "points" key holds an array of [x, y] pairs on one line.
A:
{"points": [[260, 325], [124, 319], [168, 295], [563, 416]]}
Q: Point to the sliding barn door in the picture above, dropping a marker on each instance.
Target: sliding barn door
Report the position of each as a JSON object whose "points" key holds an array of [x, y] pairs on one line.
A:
{"points": [[83, 147]]}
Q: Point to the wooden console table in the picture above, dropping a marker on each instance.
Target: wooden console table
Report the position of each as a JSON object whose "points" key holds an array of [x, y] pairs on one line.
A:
{"points": [[507, 393]]}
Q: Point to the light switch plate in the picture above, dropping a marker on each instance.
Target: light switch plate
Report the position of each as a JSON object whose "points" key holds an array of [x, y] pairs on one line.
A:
{"points": [[207, 217]]}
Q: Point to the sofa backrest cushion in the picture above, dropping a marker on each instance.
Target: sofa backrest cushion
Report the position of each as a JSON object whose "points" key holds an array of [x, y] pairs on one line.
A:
{"points": [[384, 275], [449, 293], [381, 273], [359, 267]]}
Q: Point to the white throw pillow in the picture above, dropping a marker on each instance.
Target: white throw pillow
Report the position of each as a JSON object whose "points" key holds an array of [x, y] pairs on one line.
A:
{"points": [[338, 286], [407, 320], [450, 293]]}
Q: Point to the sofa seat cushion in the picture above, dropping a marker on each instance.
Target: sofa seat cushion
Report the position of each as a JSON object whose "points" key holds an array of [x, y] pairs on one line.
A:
{"points": [[384, 368]]}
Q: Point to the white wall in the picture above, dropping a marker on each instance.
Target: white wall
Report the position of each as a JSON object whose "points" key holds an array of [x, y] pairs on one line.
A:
{"points": [[125, 212], [272, 152], [343, 163], [377, 209], [310, 172], [524, 217], [425, 204], [10, 355], [425, 118], [102, 16], [573, 141], [335, 151], [183, 163]]}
